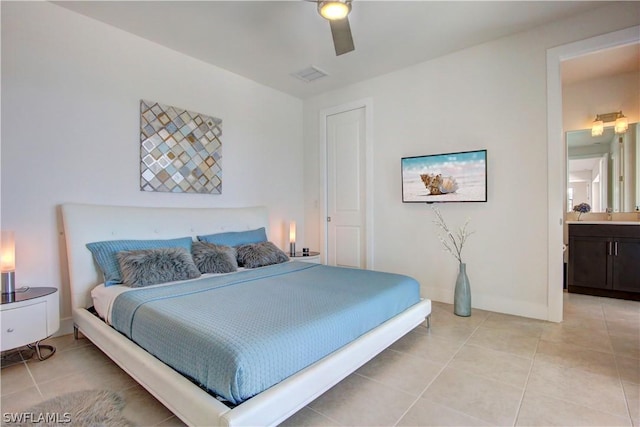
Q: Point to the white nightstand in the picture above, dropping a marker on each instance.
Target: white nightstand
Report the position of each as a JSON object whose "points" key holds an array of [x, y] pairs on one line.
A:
{"points": [[27, 317], [313, 257]]}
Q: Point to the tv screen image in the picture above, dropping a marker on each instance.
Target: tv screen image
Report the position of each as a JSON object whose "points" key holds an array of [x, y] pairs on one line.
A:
{"points": [[450, 177]]}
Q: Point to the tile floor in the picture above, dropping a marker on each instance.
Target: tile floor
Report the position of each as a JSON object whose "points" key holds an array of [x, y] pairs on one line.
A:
{"points": [[487, 369]]}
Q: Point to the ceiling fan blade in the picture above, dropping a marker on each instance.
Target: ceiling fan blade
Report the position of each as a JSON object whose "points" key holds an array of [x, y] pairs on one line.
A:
{"points": [[341, 33]]}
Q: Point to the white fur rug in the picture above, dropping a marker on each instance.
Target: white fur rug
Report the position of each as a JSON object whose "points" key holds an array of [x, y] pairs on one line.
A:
{"points": [[81, 408]]}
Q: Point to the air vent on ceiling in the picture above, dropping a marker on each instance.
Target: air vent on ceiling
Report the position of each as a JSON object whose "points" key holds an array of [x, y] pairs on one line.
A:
{"points": [[310, 74]]}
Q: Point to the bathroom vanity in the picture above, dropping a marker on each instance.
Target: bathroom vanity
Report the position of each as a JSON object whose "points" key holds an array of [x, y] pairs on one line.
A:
{"points": [[604, 258]]}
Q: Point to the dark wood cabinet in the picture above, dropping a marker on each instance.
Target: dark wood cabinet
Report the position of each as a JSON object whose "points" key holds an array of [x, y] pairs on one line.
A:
{"points": [[604, 260]]}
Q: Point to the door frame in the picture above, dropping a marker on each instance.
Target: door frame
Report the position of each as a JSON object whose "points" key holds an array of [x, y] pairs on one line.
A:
{"points": [[367, 104], [557, 157]]}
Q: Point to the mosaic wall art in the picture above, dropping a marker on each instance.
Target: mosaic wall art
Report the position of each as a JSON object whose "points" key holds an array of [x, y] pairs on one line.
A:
{"points": [[180, 151]]}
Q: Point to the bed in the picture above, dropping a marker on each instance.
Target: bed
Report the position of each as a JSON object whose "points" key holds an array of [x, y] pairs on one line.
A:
{"points": [[192, 404]]}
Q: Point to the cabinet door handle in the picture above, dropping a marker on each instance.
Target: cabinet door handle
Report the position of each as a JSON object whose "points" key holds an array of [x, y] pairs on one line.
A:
{"points": [[10, 330], [615, 248], [609, 251]]}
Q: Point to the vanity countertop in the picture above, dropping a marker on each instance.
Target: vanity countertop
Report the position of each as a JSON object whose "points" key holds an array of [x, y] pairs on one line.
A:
{"points": [[606, 222]]}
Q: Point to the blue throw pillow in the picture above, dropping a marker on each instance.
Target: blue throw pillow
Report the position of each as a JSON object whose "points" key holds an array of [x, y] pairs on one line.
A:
{"points": [[105, 253], [236, 238]]}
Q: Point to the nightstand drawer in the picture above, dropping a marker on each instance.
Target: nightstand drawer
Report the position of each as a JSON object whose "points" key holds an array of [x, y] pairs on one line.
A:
{"points": [[23, 325]]}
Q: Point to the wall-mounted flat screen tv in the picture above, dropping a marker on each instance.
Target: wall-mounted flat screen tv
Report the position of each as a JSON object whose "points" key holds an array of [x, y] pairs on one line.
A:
{"points": [[451, 177]]}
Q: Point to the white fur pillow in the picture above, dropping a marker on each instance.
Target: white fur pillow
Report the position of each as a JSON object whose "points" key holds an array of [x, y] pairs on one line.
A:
{"points": [[212, 258], [152, 266], [260, 254]]}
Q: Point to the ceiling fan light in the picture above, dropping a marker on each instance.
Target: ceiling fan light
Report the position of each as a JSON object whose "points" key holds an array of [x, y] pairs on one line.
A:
{"points": [[334, 10]]}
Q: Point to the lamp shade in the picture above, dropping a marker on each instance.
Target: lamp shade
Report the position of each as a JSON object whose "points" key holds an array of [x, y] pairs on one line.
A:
{"points": [[622, 124], [292, 232], [597, 128], [7, 251], [334, 10]]}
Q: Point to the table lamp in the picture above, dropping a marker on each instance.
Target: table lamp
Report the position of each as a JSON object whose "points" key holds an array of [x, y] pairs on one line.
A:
{"points": [[8, 261], [292, 238]]}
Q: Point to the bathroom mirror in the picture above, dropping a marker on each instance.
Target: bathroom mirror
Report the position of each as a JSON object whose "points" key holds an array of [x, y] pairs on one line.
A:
{"points": [[602, 171]]}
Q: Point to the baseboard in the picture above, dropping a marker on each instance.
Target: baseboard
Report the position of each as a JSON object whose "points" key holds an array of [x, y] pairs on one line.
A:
{"points": [[66, 327]]}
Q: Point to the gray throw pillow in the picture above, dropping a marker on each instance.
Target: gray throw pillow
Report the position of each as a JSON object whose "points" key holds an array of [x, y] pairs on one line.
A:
{"points": [[212, 258], [152, 266], [260, 254]]}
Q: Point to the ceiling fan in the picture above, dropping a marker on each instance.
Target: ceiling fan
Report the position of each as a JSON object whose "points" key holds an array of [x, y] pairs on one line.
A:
{"points": [[336, 12]]}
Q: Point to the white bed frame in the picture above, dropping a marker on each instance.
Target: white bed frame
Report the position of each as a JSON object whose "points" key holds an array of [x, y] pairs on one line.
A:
{"points": [[91, 223]]}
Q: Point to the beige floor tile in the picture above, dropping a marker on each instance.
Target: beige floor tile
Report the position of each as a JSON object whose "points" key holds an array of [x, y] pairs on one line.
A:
{"points": [[629, 369], [425, 345], [444, 314], [439, 305], [492, 364], [579, 322], [571, 356], [452, 332], [621, 310], [143, 409], [67, 363], [621, 316], [103, 377], [307, 417], [574, 379], [479, 397], [581, 299], [67, 342], [402, 371], [632, 393], [524, 326], [427, 413], [588, 311], [587, 308], [626, 345], [594, 391], [111, 377], [359, 401], [505, 340], [447, 325], [588, 338], [71, 383], [623, 327], [14, 378], [172, 421], [21, 400], [621, 304], [540, 410]]}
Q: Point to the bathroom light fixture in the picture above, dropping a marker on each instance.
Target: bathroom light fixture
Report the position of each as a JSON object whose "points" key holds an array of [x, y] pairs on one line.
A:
{"points": [[8, 261], [597, 128], [621, 123], [334, 10]]}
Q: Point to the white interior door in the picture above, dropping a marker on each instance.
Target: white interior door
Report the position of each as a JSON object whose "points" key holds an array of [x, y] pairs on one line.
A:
{"points": [[346, 189]]}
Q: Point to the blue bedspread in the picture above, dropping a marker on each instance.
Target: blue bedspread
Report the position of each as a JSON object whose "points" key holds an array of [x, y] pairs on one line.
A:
{"points": [[239, 334]]}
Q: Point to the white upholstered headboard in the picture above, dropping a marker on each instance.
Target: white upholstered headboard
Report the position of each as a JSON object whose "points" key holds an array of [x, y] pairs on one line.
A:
{"points": [[93, 223]]}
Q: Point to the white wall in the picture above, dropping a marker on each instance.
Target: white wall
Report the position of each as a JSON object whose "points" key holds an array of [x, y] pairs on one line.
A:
{"points": [[70, 113], [491, 96]]}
